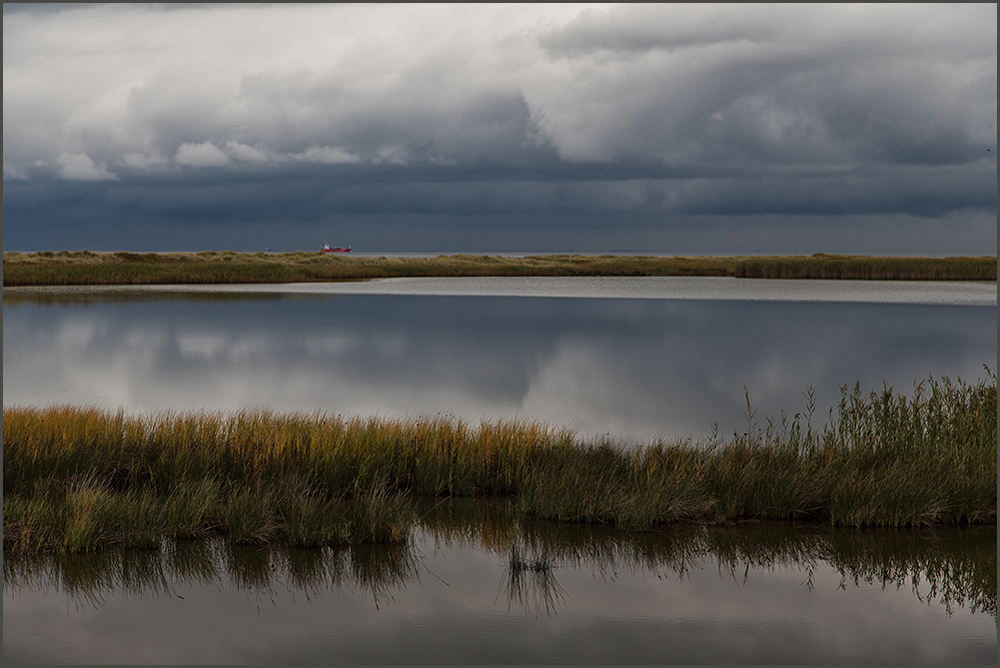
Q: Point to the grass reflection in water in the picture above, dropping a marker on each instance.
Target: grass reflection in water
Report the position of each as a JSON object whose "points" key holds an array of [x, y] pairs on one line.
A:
{"points": [[530, 581], [955, 567]]}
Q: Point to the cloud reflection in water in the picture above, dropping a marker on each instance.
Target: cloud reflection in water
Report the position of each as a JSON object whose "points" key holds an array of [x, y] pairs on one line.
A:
{"points": [[628, 368]]}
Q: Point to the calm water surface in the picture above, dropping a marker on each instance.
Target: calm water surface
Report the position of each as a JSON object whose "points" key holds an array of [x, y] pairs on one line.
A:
{"points": [[480, 584], [628, 358]]}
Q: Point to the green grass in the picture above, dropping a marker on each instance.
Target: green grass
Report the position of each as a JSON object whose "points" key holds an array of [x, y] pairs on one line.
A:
{"points": [[123, 268], [76, 479]]}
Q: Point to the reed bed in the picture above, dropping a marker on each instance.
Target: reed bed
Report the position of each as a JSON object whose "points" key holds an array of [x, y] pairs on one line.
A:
{"points": [[882, 460], [864, 267], [76, 479], [124, 268]]}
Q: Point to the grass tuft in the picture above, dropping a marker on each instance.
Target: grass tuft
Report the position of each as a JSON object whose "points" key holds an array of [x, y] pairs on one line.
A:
{"points": [[78, 479]]}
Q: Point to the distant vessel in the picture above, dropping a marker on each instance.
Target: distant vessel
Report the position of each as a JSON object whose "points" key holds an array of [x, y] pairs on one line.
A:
{"points": [[339, 249]]}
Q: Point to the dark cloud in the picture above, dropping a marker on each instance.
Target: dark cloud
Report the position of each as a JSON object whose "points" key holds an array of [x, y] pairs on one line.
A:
{"points": [[761, 86], [640, 119]]}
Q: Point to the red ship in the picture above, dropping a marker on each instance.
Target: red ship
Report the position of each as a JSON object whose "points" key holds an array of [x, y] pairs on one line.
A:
{"points": [[339, 249]]}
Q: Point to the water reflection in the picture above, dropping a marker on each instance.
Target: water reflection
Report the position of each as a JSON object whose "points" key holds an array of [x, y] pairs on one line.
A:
{"points": [[952, 567], [955, 568], [89, 579], [530, 582], [952, 293], [630, 368]]}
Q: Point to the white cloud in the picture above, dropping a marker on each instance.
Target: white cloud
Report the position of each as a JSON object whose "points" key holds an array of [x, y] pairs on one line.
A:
{"points": [[394, 154], [79, 167], [245, 153], [201, 155], [343, 84], [327, 155], [137, 160], [767, 85]]}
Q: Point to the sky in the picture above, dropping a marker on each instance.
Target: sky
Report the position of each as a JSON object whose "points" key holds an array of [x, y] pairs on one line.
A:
{"points": [[662, 129]]}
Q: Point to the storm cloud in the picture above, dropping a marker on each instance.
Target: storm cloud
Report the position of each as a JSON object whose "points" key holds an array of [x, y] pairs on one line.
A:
{"points": [[657, 128]]}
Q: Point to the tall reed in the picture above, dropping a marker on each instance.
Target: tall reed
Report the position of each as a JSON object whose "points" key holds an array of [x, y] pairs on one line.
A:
{"points": [[255, 476], [77, 478]]}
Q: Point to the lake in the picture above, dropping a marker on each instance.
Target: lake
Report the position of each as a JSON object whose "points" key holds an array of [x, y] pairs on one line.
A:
{"points": [[632, 359], [625, 359]]}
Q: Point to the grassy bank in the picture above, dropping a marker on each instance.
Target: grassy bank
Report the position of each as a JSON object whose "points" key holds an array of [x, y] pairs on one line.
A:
{"points": [[870, 268], [883, 460], [76, 479], [122, 268]]}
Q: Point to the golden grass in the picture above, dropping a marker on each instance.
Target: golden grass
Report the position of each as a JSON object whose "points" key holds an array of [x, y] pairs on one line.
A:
{"points": [[79, 478]]}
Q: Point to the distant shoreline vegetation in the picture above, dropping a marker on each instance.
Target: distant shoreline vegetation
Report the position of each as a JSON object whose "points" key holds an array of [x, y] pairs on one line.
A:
{"points": [[77, 479], [207, 267]]}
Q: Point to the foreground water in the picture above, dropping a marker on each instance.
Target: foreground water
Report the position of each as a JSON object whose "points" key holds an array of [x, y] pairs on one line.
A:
{"points": [[481, 584], [629, 358]]}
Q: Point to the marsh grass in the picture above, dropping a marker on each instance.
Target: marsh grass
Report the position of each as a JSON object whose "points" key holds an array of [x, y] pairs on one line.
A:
{"points": [[72, 474], [864, 267], [78, 479], [124, 268]]}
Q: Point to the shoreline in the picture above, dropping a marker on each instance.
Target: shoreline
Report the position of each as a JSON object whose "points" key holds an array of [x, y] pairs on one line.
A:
{"points": [[47, 268], [716, 288]]}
